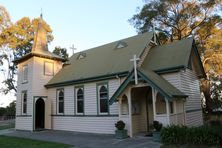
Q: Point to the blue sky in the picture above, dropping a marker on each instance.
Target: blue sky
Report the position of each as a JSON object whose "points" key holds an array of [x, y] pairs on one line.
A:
{"points": [[85, 24]]}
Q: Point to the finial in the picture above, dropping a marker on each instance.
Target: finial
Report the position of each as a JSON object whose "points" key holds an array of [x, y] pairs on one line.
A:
{"points": [[41, 14]]}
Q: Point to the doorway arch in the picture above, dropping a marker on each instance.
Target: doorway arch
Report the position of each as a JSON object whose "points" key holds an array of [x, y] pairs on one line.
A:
{"points": [[39, 114]]}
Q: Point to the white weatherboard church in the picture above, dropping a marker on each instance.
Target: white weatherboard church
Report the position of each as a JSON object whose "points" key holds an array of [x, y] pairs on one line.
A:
{"points": [[136, 80]]}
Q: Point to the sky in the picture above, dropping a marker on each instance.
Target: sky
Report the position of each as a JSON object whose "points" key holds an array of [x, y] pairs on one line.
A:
{"points": [[84, 24]]}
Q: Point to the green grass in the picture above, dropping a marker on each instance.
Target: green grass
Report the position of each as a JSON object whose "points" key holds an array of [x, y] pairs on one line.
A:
{"points": [[13, 142]]}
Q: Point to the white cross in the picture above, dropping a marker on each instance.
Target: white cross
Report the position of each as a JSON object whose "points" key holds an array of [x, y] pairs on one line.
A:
{"points": [[134, 60], [73, 48]]}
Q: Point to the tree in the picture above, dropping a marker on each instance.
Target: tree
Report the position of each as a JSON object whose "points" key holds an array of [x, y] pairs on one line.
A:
{"points": [[16, 40], [178, 19], [61, 52]]}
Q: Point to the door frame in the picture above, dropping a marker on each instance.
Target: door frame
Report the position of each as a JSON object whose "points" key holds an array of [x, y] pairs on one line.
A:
{"points": [[35, 98]]}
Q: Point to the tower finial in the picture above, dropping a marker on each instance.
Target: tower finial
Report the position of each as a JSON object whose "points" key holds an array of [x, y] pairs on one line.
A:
{"points": [[41, 14]]}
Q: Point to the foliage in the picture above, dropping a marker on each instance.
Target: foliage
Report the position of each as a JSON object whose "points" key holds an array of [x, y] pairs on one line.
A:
{"points": [[120, 125], [203, 135], [61, 52], [178, 19], [16, 40], [9, 110], [8, 142], [157, 126]]}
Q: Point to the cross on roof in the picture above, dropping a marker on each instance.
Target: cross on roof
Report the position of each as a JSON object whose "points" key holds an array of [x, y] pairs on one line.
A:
{"points": [[73, 48], [134, 60]]}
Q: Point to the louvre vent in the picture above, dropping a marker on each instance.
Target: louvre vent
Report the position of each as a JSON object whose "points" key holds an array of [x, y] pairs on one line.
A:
{"points": [[121, 44], [81, 56]]}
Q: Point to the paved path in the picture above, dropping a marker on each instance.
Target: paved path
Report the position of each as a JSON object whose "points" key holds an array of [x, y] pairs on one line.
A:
{"points": [[7, 131], [86, 140]]}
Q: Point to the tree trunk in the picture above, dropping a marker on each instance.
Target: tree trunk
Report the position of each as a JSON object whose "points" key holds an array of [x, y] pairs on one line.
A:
{"points": [[206, 91]]}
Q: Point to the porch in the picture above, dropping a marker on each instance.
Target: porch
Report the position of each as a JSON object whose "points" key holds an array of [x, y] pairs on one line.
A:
{"points": [[141, 104]]}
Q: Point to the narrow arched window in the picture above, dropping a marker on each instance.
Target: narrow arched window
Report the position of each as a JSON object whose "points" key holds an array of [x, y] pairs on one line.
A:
{"points": [[103, 99], [24, 102], [80, 100], [160, 104], [60, 101]]}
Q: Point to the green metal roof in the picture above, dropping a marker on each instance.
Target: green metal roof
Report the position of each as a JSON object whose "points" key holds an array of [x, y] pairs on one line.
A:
{"points": [[168, 56], [102, 60], [153, 79]]}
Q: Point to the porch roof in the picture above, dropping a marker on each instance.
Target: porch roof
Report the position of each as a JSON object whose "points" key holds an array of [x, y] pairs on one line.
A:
{"points": [[155, 80]]}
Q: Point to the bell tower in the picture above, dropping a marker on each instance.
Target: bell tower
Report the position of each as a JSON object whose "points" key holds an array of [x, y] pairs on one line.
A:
{"points": [[35, 69]]}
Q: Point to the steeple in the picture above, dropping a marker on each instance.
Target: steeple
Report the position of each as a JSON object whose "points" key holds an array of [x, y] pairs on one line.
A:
{"points": [[40, 40]]}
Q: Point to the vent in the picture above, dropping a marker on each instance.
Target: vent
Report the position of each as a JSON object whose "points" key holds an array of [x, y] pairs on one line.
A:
{"points": [[121, 44], [81, 56]]}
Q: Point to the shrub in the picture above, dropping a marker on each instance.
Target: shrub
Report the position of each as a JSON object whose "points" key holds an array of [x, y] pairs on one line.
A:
{"points": [[157, 125], [203, 135], [120, 125]]}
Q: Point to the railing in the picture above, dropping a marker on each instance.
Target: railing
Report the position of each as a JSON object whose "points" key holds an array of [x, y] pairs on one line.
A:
{"points": [[5, 118]]}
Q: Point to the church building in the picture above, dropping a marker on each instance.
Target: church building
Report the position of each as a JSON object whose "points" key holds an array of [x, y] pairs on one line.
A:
{"points": [[136, 80]]}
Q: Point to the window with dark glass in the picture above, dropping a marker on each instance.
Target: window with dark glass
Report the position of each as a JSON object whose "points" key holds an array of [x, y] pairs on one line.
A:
{"points": [[24, 102], [80, 100], [60, 101], [103, 99]]}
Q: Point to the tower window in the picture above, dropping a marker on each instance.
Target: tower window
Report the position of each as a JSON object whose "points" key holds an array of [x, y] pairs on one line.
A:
{"points": [[49, 68], [24, 102], [25, 73]]}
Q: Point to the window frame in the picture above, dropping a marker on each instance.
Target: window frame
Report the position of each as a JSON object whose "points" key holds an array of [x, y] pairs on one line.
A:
{"points": [[48, 74], [76, 89], [25, 73], [24, 103], [58, 101], [99, 86]]}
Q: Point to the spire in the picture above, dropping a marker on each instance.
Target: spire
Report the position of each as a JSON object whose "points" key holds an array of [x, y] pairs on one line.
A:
{"points": [[40, 40]]}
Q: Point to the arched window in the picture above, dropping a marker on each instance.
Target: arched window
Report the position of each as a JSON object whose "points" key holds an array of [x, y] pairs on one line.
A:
{"points": [[103, 99], [80, 100], [60, 101], [24, 102], [160, 104]]}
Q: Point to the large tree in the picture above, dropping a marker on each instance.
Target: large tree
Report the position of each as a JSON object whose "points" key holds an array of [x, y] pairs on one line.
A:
{"points": [[178, 19], [62, 52], [16, 40]]}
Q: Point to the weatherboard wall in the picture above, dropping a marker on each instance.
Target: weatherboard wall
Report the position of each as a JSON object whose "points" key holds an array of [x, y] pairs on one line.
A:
{"points": [[91, 120], [190, 85], [187, 82], [24, 121]]}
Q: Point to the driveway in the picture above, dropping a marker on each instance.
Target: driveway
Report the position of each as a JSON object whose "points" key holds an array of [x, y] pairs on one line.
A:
{"points": [[86, 140]]}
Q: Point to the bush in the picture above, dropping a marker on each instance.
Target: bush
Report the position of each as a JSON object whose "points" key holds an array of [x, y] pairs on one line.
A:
{"points": [[120, 125], [157, 125], [203, 135]]}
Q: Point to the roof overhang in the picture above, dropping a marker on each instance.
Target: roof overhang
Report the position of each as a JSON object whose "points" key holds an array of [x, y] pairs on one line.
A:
{"points": [[31, 54]]}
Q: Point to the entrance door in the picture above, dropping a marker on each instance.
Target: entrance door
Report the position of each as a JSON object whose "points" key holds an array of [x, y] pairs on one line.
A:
{"points": [[39, 114]]}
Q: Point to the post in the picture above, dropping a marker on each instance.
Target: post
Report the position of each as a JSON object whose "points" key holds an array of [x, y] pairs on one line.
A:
{"points": [[154, 103], [168, 110], [130, 112], [120, 108]]}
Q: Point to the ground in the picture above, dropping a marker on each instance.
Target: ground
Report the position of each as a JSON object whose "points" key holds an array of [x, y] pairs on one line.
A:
{"points": [[86, 140]]}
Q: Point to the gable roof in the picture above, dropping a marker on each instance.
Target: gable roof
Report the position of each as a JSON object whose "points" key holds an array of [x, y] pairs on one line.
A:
{"points": [[169, 56], [153, 79], [103, 60], [107, 61]]}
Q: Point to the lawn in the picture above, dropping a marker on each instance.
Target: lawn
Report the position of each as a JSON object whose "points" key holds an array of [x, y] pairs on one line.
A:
{"points": [[13, 142]]}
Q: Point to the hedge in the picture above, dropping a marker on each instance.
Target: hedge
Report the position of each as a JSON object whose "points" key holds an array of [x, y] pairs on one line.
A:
{"points": [[203, 135]]}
